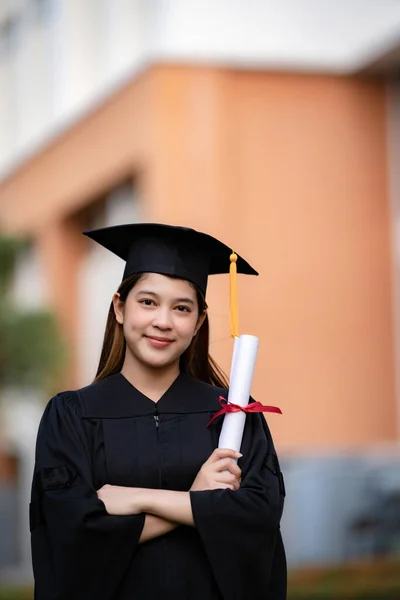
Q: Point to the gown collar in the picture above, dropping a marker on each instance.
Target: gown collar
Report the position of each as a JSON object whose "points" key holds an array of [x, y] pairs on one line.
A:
{"points": [[116, 397]]}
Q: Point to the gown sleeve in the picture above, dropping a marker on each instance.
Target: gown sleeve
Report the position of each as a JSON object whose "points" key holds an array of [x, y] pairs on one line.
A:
{"points": [[79, 551], [240, 530]]}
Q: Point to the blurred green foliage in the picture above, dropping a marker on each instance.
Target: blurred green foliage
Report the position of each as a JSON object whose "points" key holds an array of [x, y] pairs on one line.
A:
{"points": [[31, 347], [14, 593], [10, 250], [378, 580]]}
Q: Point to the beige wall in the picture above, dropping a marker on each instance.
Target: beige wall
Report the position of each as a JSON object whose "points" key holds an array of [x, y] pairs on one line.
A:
{"points": [[290, 170]]}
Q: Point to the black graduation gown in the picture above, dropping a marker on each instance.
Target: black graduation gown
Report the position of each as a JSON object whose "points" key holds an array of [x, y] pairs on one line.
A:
{"points": [[109, 432]]}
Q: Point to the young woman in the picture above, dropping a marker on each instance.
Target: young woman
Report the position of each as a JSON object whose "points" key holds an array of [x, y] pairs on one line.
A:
{"points": [[131, 498]]}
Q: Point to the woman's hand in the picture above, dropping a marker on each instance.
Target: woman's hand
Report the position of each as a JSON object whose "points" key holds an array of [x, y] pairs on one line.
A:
{"points": [[120, 500], [219, 472]]}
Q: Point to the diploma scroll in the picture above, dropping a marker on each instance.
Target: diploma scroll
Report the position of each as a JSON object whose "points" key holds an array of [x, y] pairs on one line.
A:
{"points": [[235, 351], [242, 371]]}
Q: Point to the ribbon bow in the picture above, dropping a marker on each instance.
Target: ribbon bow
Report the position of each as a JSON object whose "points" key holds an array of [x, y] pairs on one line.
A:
{"points": [[229, 407]]}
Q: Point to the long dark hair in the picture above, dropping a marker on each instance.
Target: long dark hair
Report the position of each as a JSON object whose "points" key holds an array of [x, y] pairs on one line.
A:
{"points": [[195, 361]]}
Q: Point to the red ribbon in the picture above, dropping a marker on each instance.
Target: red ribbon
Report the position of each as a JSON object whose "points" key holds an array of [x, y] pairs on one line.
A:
{"points": [[229, 407]]}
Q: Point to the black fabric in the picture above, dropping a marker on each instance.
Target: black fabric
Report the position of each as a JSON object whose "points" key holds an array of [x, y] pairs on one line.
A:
{"points": [[56, 478], [106, 433], [177, 251]]}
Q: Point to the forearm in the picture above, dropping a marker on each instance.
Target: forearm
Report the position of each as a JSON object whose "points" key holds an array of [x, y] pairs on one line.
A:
{"points": [[155, 527], [166, 504], [169, 505]]}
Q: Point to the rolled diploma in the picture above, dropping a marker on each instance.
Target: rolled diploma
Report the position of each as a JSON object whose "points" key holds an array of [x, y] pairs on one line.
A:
{"points": [[243, 363], [235, 351]]}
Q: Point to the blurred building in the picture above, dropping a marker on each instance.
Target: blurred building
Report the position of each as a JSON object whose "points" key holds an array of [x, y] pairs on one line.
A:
{"points": [[274, 126]]}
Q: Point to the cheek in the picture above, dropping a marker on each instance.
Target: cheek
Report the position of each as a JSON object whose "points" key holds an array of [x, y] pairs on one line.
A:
{"points": [[135, 317], [186, 327]]}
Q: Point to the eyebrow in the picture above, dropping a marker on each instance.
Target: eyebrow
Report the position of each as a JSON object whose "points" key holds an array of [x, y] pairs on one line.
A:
{"points": [[149, 293]]}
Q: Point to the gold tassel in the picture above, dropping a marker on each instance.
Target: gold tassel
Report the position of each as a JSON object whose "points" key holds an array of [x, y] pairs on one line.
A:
{"points": [[234, 307]]}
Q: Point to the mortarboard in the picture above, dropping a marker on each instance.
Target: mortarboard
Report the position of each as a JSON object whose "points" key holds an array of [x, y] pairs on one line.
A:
{"points": [[177, 251]]}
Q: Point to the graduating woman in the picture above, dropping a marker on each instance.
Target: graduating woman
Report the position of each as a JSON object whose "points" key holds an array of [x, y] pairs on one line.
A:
{"points": [[131, 498]]}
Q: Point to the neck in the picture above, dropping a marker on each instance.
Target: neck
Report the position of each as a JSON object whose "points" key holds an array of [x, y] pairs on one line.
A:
{"points": [[152, 382]]}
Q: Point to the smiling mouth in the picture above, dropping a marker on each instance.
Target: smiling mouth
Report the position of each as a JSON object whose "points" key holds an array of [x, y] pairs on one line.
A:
{"points": [[158, 342]]}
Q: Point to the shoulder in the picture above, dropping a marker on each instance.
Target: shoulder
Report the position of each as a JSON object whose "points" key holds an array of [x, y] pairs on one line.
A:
{"points": [[75, 401], [63, 401]]}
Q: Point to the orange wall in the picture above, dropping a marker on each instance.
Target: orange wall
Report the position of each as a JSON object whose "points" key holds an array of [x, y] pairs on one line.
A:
{"points": [[290, 170]]}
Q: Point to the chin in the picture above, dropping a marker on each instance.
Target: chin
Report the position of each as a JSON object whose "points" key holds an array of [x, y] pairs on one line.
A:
{"points": [[159, 363]]}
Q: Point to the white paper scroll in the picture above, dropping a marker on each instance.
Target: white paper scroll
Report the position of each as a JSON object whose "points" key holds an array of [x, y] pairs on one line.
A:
{"points": [[243, 363], [235, 351]]}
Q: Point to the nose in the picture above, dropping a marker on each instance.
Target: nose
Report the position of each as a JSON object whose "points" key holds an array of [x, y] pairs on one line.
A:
{"points": [[162, 319]]}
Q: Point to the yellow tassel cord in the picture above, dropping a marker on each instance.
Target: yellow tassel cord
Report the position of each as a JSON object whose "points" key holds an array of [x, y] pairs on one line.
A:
{"points": [[234, 306]]}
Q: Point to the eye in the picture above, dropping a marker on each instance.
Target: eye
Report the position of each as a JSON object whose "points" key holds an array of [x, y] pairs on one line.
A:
{"points": [[147, 302], [182, 308]]}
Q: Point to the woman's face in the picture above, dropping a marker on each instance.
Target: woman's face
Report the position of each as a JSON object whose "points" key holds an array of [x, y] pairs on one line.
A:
{"points": [[160, 318]]}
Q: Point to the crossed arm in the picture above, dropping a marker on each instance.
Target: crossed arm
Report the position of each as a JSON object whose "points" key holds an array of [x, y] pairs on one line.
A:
{"points": [[165, 509]]}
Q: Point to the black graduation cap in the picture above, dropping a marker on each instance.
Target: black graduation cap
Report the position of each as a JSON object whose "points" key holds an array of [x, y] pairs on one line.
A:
{"points": [[177, 251], [169, 250]]}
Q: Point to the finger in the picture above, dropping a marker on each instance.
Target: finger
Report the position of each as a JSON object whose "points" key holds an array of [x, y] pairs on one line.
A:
{"points": [[225, 486], [223, 453], [226, 477], [227, 464]]}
